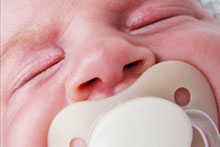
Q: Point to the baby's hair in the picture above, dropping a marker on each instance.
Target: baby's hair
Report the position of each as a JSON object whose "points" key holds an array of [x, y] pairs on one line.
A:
{"points": [[212, 6]]}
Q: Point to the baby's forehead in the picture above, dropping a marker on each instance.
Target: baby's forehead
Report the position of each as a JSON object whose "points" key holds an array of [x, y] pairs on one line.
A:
{"points": [[45, 12], [15, 16]]}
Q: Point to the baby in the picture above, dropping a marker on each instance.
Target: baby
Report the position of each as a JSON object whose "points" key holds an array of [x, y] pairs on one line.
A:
{"points": [[58, 52]]}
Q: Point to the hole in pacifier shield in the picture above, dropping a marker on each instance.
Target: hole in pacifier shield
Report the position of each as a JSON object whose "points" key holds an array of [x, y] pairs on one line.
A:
{"points": [[182, 96], [78, 142]]}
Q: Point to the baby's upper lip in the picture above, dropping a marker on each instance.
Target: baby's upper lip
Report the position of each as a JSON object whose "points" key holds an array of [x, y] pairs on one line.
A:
{"points": [[120, 87]]}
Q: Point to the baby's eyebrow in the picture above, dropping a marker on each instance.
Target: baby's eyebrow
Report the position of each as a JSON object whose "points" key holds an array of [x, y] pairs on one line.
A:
{"points": [[39, 32], [36, 34]]}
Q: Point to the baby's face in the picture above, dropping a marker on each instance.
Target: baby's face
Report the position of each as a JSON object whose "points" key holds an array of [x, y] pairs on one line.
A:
{"points": [[60, 52]]}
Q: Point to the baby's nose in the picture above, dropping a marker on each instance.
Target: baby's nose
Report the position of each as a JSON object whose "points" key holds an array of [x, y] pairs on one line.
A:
{"points": [[106, 68]]}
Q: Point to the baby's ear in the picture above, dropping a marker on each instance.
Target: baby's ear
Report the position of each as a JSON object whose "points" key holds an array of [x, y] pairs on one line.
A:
{"points": [[77, 142]]}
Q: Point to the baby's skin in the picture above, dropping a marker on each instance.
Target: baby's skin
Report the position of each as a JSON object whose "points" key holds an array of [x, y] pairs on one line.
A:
{"points": [[58, 52]]}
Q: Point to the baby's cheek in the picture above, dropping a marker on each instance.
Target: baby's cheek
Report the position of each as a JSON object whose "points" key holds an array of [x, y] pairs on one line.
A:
{"points": [[28, 124], [197, 45], [28, 127]]}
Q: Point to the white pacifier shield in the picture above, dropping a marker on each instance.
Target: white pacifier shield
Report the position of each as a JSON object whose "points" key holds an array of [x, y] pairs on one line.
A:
{"points": [[143, 122]]}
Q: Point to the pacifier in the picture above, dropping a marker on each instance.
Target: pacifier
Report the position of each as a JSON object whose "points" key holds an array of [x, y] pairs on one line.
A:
{"points": [[148, 113]]}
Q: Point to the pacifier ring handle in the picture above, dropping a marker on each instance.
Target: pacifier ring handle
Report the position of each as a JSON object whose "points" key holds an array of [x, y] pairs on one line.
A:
{"points": [[203, 135], [202, 122]]}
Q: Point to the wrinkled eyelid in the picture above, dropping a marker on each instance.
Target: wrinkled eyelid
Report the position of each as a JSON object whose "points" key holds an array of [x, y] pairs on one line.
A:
{"points": [[41, 61], [138, 13], [134, 17], [150, 15], [55, 51]]}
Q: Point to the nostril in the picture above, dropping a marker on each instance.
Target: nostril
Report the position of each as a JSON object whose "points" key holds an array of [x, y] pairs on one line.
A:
{"points": [[133, 64], [88, 83]]}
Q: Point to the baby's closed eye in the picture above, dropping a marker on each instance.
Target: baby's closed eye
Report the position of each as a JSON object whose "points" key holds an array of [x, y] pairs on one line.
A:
{"points": [[150, 17], [36, 63]]}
